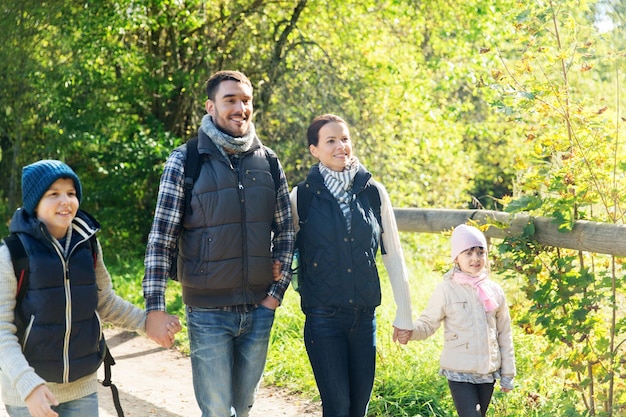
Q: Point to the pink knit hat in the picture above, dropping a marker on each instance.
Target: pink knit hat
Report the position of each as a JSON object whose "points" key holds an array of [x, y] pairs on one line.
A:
{"points": [[465, 237]]}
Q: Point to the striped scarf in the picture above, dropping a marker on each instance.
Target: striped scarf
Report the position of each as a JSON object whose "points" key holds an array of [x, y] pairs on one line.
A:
{"points": [[339, 183]]}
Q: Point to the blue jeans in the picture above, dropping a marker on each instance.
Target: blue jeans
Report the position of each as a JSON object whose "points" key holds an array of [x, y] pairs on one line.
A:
{"points": [[341, 344], [228, 353], [85, 406]]}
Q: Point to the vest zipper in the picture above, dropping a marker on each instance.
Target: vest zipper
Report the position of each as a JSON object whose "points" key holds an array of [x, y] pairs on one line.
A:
{"points": [[68, 315], [68, 309], [242, 205]]}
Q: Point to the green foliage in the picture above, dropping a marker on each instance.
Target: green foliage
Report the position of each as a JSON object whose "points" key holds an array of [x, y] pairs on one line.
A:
{"points": [[118, 85], [558, 85]]}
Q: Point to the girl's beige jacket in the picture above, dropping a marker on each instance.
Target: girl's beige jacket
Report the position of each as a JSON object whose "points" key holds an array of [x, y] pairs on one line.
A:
{"points": [[475, 342]]}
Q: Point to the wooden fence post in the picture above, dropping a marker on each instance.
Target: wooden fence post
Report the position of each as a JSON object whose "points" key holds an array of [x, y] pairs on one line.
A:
{"points": [[585, 236]]}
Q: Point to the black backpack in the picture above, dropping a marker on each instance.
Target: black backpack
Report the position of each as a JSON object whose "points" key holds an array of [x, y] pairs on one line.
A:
{"points": [[193, 162], [19, 257]]}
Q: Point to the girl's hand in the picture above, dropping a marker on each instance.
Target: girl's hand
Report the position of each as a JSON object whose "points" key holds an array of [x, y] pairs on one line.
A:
{"points": [[506, 389]]}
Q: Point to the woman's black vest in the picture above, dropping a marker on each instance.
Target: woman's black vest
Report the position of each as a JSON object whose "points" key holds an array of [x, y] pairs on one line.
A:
{"points": [[337, 266]]}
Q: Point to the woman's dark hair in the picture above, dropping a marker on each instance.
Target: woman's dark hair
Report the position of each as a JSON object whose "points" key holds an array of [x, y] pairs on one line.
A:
{"points": [[312, 133], [213, 83]]}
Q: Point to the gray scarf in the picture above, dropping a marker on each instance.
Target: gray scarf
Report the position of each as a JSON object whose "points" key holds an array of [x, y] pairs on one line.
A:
{"points": [[224, 141]]}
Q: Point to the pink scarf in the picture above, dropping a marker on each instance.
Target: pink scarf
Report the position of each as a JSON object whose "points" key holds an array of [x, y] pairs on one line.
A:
{"points": [[485, 293]]}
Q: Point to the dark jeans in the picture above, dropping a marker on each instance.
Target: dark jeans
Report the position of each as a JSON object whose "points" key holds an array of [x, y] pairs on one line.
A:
{"points": [[341, 344], [471, 400]]}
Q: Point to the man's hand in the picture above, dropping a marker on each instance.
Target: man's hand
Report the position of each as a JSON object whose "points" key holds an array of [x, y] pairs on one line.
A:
{"points": [[270, 302], [276, 272], [39, 400], [161, 327]]}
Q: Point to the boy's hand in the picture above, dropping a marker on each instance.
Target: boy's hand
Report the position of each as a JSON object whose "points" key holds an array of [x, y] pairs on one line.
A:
{"points": [[39, 400]]}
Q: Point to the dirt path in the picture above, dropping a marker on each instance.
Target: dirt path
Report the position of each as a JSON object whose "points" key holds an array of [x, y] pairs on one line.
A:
{"points": [[156, 382]]}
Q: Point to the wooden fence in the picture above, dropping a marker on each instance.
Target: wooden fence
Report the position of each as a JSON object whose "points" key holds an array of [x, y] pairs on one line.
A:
{"points": [[585, 236]]}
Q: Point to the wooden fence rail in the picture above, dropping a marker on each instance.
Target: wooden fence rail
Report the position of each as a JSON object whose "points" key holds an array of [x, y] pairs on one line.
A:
{"points": [[585, 236]]}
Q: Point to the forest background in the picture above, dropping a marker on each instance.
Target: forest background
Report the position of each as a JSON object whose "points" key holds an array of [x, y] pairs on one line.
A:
{"points": [[506, 105]]}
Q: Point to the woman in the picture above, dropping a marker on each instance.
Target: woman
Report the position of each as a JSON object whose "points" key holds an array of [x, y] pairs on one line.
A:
{"points": [[348, 215]]}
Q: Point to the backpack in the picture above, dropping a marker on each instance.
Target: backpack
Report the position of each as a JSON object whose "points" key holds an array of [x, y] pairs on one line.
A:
{"points": [[193, 162], [305, 195], [19, 258]]}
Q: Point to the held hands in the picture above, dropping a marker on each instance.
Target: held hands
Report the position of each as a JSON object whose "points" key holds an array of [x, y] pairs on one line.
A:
{"points": [[39, 400], [161, 327], [401, 336]]}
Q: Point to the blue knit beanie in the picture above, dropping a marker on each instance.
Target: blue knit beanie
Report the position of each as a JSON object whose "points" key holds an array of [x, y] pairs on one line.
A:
{"points": [[39, 176]]}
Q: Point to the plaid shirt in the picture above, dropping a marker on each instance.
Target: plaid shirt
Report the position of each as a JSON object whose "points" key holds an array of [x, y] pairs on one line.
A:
{"points": [[166, 228]]}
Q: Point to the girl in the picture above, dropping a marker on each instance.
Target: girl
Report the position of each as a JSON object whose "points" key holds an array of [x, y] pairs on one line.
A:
{"points": [[51, 343], [478, 346], [348, 215]]}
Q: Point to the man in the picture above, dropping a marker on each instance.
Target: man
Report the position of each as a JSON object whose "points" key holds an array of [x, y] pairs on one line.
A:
{"points": [[235, 244]]}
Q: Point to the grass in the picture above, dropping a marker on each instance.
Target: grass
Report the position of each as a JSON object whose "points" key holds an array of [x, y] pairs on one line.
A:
{"points": [[407, 381]]}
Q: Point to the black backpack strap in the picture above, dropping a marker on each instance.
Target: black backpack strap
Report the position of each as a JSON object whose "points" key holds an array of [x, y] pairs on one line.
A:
{"points": [[192, 170], [108, 358], [374, 198], [305, 195], [20, 263], [108, 362], [273, 161], [303, 202], [93, 244]]}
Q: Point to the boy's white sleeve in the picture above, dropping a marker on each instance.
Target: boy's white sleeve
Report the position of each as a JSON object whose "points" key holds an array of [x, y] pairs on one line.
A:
{"points": [[112, 308], [15, 373]]}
